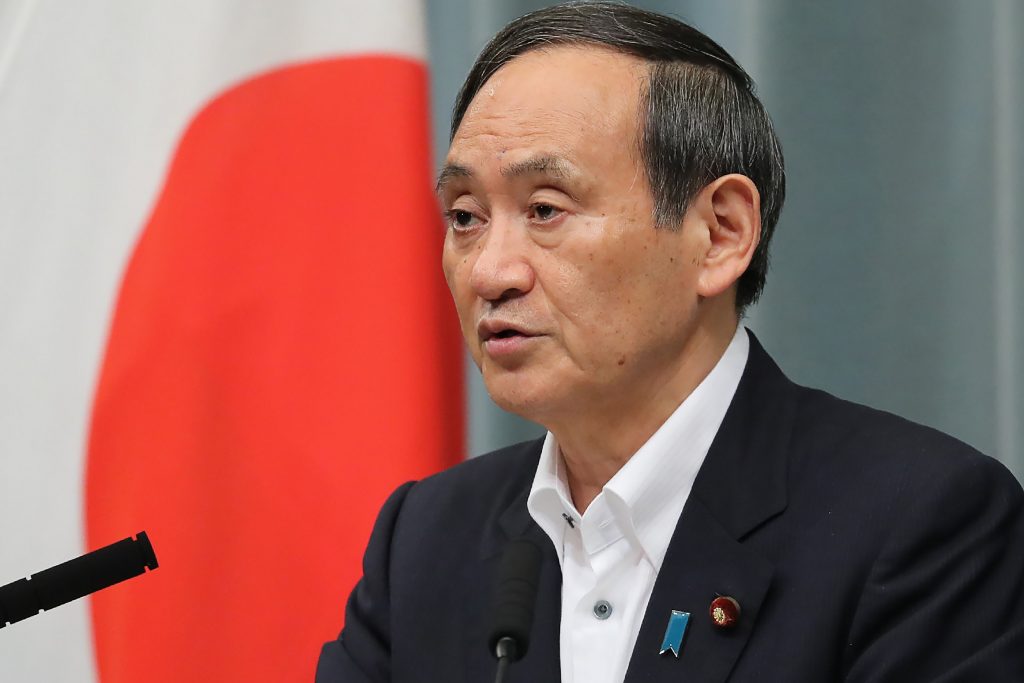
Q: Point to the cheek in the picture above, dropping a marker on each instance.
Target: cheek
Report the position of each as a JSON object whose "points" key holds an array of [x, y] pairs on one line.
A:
{"points": [[593, 295], [456, 271], [629, 289], [449, 260], [583, 278]]}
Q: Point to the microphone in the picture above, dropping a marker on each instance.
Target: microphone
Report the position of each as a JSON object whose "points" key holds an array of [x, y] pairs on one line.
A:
{"points": [[518, 577], [76, 578]]}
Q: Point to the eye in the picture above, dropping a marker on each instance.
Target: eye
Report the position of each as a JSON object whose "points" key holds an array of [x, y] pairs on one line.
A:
{"points": [[544, 212], [461, 220]]}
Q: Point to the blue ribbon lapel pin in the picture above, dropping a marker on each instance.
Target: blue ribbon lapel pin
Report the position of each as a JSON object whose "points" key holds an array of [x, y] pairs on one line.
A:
{"points": [[674, 632]]}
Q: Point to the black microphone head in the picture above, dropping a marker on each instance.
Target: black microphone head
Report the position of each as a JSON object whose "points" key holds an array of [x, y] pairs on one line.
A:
{"points": [[146, 553], [515, 597]]}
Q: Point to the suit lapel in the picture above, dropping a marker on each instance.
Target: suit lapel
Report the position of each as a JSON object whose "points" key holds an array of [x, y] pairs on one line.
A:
{"points": [[702, 563], [741, 485]]}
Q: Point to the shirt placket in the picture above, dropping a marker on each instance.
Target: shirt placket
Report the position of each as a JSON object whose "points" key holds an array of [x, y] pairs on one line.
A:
{"points": [[596, 626]]}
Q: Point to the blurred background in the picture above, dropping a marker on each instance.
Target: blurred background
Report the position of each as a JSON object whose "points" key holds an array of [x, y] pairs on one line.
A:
{"points": [[223, 319]]}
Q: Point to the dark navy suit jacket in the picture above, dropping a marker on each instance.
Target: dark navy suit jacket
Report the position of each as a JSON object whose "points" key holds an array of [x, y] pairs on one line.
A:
{"points": [[861, 547]]}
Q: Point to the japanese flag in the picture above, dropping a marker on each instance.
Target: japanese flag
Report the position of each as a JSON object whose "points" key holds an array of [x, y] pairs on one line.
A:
{"points": [[223, 321]]}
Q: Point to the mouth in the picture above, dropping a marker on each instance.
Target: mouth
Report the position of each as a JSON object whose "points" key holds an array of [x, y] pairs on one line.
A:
{"points": [[504, 334], [499, 330]]}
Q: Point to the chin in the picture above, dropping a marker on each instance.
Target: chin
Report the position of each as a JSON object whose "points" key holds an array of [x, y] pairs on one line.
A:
{"points": [[518, 395]]}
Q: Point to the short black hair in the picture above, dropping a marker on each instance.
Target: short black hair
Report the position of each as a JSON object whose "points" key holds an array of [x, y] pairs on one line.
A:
{"points": [[702, 118]]}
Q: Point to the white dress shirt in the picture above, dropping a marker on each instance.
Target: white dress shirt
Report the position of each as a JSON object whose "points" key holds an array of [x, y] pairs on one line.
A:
{"points": [[610, 555]]}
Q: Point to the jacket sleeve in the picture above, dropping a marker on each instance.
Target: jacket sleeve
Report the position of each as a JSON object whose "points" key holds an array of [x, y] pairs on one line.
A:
{"points": [[362, 652], [945, 598]]}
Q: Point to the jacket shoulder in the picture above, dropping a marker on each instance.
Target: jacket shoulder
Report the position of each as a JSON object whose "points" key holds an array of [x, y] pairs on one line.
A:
{"points": [[464, 503], [831, 431], [505, 470]]}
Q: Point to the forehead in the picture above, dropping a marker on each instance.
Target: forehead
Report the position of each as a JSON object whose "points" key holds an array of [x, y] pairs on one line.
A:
{"points": [[568, 100]]}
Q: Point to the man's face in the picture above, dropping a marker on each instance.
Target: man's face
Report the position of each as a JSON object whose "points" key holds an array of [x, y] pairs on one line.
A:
{"points": [[569, 298]]}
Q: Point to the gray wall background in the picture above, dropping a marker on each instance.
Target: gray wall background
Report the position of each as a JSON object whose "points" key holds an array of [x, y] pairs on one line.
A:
{"points": [[896, 277]]}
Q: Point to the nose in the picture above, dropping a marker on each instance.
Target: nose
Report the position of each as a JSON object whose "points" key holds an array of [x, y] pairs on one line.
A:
{"points": [[502, 269]]}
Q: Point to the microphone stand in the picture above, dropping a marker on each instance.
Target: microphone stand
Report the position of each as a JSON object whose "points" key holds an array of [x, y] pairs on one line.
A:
{"points": [[76, 578], [516, 594]]}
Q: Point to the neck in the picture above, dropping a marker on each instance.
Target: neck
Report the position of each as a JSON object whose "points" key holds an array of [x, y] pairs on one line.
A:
{"points": [[596, 442]]}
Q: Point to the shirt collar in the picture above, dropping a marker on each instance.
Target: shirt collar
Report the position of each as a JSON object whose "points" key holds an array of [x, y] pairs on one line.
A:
{"points": [[550, 503], [644, 499]]}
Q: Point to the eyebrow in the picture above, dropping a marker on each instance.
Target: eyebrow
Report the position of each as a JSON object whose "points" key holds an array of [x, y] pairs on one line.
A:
{"points": [[448, 172], [546, 164]]}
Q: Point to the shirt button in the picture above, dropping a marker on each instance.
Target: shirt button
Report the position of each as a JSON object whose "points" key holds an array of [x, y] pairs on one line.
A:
{"points": [[602, 609]]}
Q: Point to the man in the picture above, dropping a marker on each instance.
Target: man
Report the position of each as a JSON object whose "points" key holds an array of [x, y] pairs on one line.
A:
{"points": [[611, 189]]}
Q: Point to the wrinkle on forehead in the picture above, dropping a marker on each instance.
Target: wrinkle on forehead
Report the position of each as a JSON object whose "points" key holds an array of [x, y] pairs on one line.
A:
{"points": [[517, 135], [493, 119]]}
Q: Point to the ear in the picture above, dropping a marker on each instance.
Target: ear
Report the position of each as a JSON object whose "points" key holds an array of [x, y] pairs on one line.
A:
{"points": [[730, 211]]}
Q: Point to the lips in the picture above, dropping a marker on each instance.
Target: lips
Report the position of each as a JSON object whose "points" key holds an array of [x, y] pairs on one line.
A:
{"points": [[506, 342], [502, 329]]}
